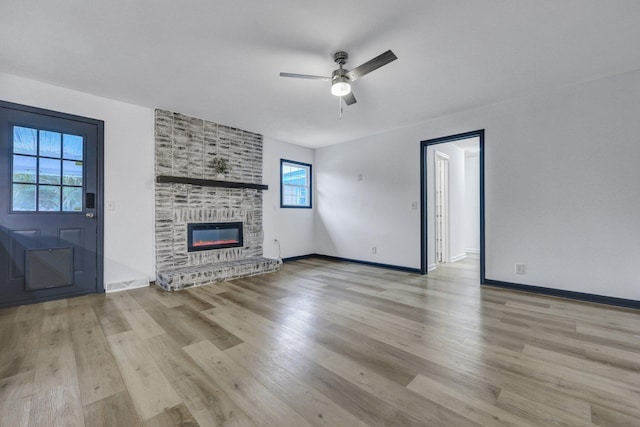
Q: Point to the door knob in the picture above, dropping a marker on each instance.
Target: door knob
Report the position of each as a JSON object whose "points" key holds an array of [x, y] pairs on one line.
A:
{"points": [[90, 215]]}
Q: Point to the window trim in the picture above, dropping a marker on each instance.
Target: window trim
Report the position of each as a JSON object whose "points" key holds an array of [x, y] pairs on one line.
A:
{"points": [[310, 186]]}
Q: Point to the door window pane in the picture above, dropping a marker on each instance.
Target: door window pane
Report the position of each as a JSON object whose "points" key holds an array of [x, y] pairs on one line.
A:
{"points": [[49, 171], [71, 199], [72, 147], [71, 172], [50, 144], [24, 197], [25, 140], [24, 168], [48, 198]]}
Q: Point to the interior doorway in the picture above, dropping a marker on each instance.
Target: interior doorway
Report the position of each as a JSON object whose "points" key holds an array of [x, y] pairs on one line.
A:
{"points": [[452, 200]]}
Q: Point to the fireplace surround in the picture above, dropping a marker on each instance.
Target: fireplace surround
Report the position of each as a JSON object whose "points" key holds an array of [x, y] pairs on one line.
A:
{"points": [[188, 192]]}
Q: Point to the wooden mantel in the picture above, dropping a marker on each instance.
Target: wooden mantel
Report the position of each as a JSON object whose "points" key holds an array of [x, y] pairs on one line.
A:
{"points": [[167, 179]]}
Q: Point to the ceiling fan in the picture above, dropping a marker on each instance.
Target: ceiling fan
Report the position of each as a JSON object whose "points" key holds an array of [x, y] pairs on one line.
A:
{"points": [[341, 79]]}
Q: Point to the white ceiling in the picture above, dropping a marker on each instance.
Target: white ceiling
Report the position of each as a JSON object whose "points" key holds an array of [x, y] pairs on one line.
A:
{"points": [[220, 60]]}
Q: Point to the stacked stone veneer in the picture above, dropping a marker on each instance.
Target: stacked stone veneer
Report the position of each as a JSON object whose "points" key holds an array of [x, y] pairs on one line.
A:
{"points": [[185, 147]]}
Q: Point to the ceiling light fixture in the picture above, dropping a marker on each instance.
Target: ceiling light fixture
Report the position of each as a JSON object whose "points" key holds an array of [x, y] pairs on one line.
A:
{"points": [[341, 86]]}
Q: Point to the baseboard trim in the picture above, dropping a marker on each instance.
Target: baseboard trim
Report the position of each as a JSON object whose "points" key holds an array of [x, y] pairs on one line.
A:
{"points": [[355, 261], [579, 296], [299, 257], [472, 251], [432, 267], [458, 257]]}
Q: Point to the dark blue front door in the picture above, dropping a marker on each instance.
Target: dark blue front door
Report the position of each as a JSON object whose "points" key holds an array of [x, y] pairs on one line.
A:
{"points": [[50, 239]]}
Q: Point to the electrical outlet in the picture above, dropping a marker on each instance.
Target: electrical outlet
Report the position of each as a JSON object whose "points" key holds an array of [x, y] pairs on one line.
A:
{"points": [[414, 206], [275, 241], [111, 205], [519, 268], [374, 250], [359, 177]]}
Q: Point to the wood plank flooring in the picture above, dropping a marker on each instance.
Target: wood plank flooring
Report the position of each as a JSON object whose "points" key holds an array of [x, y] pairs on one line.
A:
{"points": [[321, 343]]}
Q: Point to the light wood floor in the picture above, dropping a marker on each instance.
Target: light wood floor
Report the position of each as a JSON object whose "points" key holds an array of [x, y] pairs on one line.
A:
{"points": [[324, 344]]}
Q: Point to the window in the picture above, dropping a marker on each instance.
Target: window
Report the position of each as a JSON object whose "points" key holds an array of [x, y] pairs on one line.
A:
{"points": [[47, 171], [295, 184]]}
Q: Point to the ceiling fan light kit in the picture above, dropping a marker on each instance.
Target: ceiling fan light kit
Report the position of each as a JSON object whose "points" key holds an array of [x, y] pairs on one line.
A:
{"points": [[340, 85], [341, 79]]}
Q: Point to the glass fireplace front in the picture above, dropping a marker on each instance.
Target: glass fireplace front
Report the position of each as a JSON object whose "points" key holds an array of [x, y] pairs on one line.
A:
{"points": [[214, 235]]}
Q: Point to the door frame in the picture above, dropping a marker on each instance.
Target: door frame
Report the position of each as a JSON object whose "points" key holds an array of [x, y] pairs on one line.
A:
{"points": [[423, 196], [99, 178]]}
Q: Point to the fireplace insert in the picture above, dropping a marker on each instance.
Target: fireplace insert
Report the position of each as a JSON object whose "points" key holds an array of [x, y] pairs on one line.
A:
{"points": [[214, 235]]}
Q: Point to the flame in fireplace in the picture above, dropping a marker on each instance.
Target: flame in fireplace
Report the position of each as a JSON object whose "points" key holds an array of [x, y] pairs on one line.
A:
{"points": [[214, 242]]}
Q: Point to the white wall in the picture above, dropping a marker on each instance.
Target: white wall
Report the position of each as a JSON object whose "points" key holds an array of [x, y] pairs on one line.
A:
{"points": [[472, 203], [353, 215], [292, 227], [561, 189], [128, 178], [561, 174]]}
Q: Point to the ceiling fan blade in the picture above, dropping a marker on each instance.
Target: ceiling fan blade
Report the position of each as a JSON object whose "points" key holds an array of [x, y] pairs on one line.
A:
{"points": [[350, 98], [305, 76], [369, 66]]}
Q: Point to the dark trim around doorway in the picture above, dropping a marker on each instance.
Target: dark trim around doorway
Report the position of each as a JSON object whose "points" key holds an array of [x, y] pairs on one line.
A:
{"points": [[423, 195]]}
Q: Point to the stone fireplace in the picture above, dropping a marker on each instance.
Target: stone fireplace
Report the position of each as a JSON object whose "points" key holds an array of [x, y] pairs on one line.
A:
{"points": [[190, 196]]}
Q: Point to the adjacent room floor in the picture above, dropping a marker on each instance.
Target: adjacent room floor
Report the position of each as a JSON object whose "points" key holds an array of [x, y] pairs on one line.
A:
{"points": [[321, 343]]}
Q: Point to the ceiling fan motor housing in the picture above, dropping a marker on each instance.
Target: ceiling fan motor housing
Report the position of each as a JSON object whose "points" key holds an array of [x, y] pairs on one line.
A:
{"points": [[337, 73], [341, 57]]}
